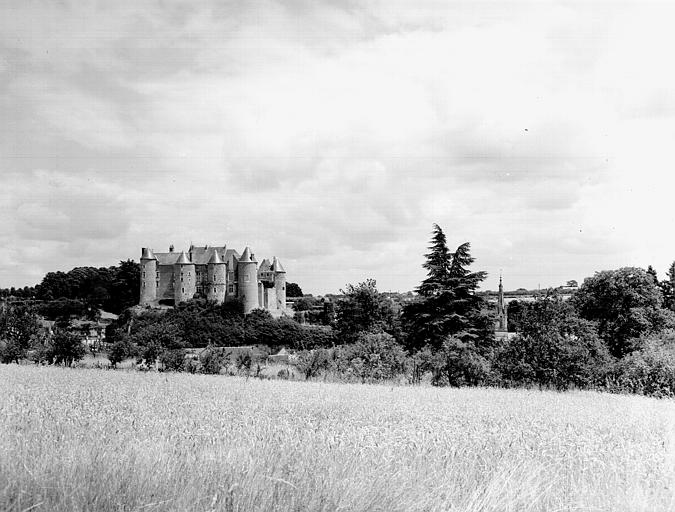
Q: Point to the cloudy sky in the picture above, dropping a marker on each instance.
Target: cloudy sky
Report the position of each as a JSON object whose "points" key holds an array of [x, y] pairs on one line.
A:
{"points": [[334, 133]]}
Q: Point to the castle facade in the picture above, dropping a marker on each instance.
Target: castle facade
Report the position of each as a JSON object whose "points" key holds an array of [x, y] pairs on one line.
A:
{"points": [[213, 273]]}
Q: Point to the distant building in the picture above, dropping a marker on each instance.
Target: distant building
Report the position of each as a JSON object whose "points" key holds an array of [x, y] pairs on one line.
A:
{"points": [[213, 273], [501, 323]]}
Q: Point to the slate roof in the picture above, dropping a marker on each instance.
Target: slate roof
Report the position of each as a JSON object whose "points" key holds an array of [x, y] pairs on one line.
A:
{"points": [[246, 257], [200, 255], [276, 265]]}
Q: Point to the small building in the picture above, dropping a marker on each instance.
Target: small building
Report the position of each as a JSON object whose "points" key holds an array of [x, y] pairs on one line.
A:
{"points": [[280, 357]]}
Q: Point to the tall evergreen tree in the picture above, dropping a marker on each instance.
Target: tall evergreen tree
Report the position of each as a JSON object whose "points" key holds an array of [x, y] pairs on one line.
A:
{"points": [[437, 265], [448, 305], [668, 289]]}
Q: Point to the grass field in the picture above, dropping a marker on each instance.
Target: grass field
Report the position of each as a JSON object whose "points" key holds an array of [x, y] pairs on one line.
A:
{"points": [[114, 440]]}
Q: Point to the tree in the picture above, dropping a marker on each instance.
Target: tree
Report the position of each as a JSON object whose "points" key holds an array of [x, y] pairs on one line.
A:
{"points": [[554, 347], [461, 364], [293, 290], [363, 309], [306, 303], [447, 305], [668, 289], [374, 356], [113, 288], [157, 338], [515, 310], [66, 347], [626, 304], [19, 330], [438, 263]]}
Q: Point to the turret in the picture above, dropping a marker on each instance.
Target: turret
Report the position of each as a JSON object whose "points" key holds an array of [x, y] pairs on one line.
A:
{"points": [[247, 275], [279, 284], [148, 277], [185, 281], [216, 271]]}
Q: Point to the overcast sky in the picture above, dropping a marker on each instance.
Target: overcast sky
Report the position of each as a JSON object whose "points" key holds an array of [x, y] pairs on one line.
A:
{"points": [[333, 134]]}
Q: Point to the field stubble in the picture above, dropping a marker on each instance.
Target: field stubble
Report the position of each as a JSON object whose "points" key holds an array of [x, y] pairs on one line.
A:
{"points": [[114, 440]]}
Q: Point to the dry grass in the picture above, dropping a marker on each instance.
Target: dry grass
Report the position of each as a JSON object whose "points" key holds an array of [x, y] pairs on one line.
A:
{"points": [[104, 440]]}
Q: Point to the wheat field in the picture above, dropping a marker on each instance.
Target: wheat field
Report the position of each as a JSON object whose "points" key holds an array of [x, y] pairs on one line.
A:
{"points": [[79, 439]]}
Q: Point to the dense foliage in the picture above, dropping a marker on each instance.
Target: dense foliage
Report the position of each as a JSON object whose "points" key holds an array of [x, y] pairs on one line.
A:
{"points": [[447, 305], [293, 290], [111, 289], [625, 304], [364, 310], [153, 335], [615, 333]]}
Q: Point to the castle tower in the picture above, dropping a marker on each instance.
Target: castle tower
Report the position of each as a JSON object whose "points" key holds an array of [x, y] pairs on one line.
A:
{"points": [[216, 272], [247, 274], [502, 324], [185, 279], [148, 277], [279, 284]]}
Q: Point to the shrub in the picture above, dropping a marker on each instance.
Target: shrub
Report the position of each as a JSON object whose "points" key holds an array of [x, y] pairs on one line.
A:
{"points": [[459, 364], [173, 360], [374, 357], [648, 371], [212, 360], [66, 348], [312, 362]]}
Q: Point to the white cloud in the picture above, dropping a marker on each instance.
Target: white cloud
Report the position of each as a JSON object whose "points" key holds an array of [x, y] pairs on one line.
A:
{"points": [[334, 135]]}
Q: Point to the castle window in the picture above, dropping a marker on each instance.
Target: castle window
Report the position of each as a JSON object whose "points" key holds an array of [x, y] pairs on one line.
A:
{"points": [[230, 288], [143, 273], [182, 290], [247, 278]]}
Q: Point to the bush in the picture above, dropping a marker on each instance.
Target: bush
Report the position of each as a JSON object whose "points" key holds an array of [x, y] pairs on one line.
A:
{"points": [[173, 360], [374, 357], [312, 362], [212, 360], [459, 364], [648, 371], [66, 348]]}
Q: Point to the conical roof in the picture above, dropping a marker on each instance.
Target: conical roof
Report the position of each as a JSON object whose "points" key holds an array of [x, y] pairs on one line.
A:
{"points": [[215, 259], [276, 266], [183, 259], [147, 254], [246, 256]]}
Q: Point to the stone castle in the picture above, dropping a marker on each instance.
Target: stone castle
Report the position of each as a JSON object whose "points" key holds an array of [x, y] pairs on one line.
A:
{"points": [[213, 273]]}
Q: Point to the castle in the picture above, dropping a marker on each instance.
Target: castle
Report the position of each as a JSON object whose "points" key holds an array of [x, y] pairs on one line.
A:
{"points": [[214, 273]]}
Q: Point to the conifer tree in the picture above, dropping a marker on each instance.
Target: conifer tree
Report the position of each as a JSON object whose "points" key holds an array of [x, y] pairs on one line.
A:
{"points": [[448, 305], [437, 264]]}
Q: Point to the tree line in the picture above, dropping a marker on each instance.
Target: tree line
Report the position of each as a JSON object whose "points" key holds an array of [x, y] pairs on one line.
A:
{"points": [[615, 333]]}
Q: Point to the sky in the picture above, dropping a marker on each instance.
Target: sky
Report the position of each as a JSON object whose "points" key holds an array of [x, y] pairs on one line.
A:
{"points": [[334, 134]]}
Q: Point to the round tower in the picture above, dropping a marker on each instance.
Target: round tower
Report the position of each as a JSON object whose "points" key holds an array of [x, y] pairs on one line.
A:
{"points": [[148, 277], [185, 281], [279, 284], [216, 272], [247, 275]]}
